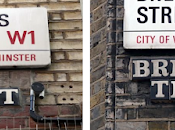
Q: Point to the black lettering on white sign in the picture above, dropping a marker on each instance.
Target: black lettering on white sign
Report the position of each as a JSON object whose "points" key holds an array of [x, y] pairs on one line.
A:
{"points": [[166, 13], [3, 20]]}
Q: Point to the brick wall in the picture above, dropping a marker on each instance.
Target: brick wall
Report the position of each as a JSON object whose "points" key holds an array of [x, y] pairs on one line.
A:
{"points": [[98, 63], [103, 51], [133, 107], [62, 79], [127, 104]]}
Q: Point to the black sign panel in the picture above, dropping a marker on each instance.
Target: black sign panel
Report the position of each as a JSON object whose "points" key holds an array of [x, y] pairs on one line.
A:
{"points": [[161, 72], [152, 68], [160, 90], [9, 96]]}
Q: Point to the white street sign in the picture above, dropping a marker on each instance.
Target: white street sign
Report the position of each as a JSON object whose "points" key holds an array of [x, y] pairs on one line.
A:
{"points": [[24, 37], [149, 24]]}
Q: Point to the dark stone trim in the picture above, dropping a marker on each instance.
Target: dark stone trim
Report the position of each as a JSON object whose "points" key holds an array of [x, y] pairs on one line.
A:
{"points": [[110, 67]]}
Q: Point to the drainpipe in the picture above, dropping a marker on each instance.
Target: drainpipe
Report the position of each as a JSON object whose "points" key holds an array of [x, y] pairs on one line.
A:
{"points": [[37, 90]]}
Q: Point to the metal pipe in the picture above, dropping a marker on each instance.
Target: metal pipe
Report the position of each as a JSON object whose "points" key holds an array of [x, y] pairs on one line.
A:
{"points": [[32, 100], [36, 117]]}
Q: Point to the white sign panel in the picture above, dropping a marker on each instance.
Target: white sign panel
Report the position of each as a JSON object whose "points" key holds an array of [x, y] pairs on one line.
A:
{"points": [[24, 37], [149, 24]]}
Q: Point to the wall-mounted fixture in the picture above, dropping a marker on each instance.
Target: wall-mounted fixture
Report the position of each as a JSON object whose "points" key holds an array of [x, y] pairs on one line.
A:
{"points": [[37, 90]]}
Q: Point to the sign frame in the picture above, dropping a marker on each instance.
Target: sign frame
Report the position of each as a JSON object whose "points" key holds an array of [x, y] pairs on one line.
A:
{"points": [[25, 40], [153, 33]]}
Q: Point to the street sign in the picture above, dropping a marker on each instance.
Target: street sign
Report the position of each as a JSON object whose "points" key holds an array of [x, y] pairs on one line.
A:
{"points": [[149, 24], [24, 38], [160, 71], [9, 96]]}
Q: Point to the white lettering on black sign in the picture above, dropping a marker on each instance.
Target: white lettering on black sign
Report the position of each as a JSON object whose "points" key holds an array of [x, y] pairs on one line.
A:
{"points": [[9, 97], [162, 89], [153, 68], [161, 72]]}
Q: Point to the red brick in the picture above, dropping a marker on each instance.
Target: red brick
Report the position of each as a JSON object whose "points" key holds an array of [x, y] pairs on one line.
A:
{"points": [[48, 110], [14, 111], [41, 125], [13, 122], [32, 124], [4, 123], [23, 112], [69, 110], [20, 121]]}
